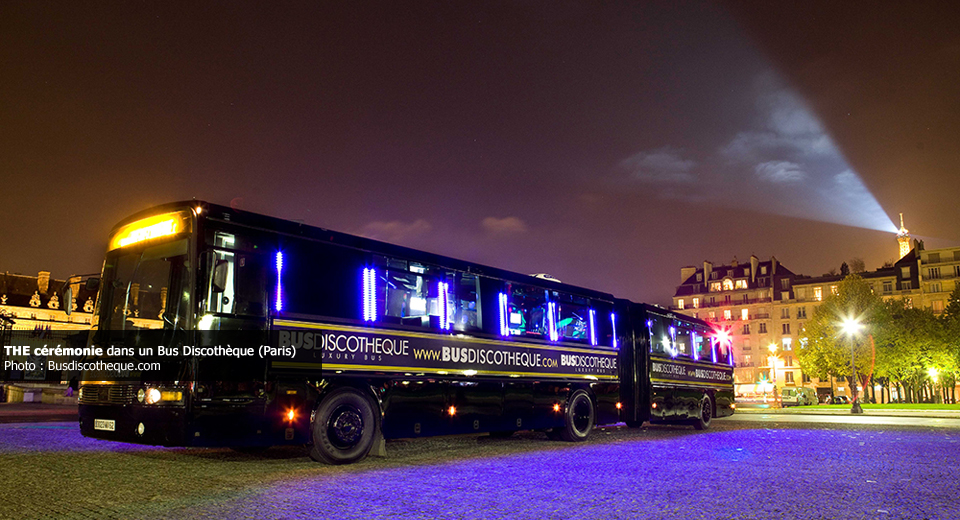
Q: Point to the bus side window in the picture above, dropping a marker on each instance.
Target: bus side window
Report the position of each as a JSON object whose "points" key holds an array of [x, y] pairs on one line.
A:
{"points": [[684, 342], [221, 271], [659, 341], [467, 312], [573, 322]]}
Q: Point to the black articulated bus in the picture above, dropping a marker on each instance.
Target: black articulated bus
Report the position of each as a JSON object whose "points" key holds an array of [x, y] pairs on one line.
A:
{"points": [[251, 331]]}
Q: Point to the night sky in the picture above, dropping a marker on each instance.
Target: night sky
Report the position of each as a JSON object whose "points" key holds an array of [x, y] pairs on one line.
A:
{"points": [[607, 146]]}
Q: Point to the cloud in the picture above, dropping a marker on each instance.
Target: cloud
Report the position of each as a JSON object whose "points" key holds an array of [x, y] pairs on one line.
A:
{"points": [[660, 166], [503, 226], [780, 172], [395, 230]]}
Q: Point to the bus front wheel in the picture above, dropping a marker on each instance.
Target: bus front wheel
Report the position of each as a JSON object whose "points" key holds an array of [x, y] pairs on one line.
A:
{"points": [[706, 414], [578, 418], [344, 427]]}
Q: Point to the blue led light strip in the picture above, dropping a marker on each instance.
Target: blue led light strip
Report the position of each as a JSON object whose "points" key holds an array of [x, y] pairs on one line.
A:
{"points": [[593, 327], [613, 322], [552, 320]]}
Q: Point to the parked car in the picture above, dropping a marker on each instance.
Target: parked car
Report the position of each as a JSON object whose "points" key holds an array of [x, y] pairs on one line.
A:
{"points": [[841, 399], [798, 396]]}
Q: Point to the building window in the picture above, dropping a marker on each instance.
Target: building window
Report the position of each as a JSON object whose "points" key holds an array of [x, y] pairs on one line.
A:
{"points": [[696, 303], [935, 287], [746, 271], [956, 270], [933, 272], [800, 292], [787, 344], [785, 295], [680, 304], [763, 328], [713, 276], [805, 377], [833, 289], [741, 284], [887, 287], [699, 277], [746, 329], [727, 284], [905, 272], [818, 293], [801, 313], [906, 285], [785, 313], [713, 300], [784, 283], [762, 282], [788, 376], [726, 299], [934, 258], [786, 328], [747, 360], [937, 306], [726, 314], [714, 286], [788, 361], [713, 315], [744, 314], [763, 269]]}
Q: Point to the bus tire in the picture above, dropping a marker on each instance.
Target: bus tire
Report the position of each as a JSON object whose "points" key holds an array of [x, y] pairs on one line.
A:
{"points": [[578, 418], [634, 424], [344, 427], [702, 422]]}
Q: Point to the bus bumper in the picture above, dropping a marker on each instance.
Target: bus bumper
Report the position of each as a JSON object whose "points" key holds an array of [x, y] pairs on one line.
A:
{"points": [[158, 426]]}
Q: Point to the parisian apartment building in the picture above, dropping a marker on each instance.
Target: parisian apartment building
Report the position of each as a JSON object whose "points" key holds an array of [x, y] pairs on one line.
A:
{"points": [[763, 305]]}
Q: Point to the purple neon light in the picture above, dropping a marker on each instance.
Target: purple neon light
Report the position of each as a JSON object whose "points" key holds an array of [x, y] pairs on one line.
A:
{"points": [[613, 322], [713, 349], [279, 304], [504, 327], [593, 327], [369, 294], [693, 345], [674, 351]]}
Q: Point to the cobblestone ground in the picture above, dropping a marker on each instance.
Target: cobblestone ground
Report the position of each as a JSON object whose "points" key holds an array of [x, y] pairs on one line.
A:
{"points": [[736, 470]]}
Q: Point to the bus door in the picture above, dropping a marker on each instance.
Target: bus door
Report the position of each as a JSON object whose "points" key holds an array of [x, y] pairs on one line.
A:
{"points": [[634, 389]]}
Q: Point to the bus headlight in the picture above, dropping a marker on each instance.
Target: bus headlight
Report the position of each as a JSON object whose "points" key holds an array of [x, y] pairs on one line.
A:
{"points": [[153, 396]]}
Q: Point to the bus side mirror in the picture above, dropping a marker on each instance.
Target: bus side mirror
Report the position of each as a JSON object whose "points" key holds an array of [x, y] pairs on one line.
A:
{"points": [[219, 282], [92, 284]]}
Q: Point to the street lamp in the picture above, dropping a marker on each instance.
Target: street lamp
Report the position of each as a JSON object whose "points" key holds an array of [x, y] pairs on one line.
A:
{"points": [[851, 327], [772, 361]]}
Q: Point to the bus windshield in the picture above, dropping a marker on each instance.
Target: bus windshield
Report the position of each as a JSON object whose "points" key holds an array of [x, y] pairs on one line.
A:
{"points": [[146, 288]]}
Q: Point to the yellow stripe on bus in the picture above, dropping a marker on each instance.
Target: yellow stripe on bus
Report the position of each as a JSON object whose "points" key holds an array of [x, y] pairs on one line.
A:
{"points": [[469, 339], [439, 371]]}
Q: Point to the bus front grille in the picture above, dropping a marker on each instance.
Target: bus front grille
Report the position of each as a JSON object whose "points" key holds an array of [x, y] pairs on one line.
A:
{"points": [[107, 394]]}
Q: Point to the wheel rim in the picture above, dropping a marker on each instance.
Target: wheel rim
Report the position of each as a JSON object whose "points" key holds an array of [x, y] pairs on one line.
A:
{"points": [[705, 411], [345, 427], [582, 415]]}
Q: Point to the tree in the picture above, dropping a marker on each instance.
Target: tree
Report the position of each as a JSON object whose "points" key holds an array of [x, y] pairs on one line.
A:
{"points": [[857, 265], [844, 269], [825, 348], [908, 344]]}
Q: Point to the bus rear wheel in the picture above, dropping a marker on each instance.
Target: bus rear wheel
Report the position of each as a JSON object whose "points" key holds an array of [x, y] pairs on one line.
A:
{"points": [[578, 418], [706, 414], [344, 428]]}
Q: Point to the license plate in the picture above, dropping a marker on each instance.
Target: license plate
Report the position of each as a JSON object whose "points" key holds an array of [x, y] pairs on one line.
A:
{"points": [[105, 424]]}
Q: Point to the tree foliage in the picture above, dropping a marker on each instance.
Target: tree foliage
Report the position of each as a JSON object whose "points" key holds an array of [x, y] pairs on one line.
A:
{"points": [[824, 346]]}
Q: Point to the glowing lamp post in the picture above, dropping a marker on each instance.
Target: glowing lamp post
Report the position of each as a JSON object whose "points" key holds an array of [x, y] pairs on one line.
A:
{"points": [[850, 328], [772, 361]]}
